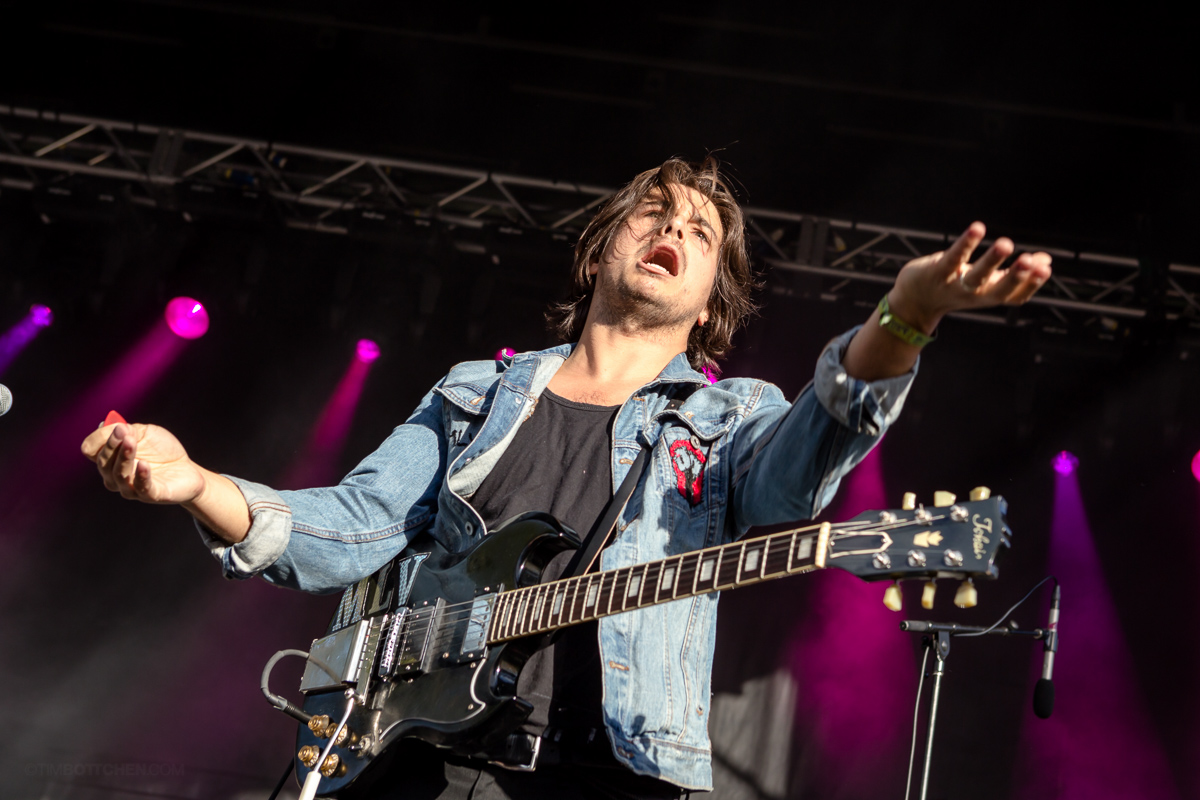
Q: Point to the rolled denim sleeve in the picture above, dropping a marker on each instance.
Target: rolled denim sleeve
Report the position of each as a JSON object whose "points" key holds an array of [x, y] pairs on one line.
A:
{"points": [[789, 459], [324, 539], [862, 406], [270, 531]]}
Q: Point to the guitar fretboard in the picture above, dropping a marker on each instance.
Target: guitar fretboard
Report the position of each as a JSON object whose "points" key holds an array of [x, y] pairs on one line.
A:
{"points": [[547, 607]]}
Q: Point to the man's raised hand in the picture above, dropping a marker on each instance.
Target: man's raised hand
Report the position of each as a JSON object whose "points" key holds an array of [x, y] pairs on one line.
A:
{"points": [[144, 462], [932, 286]]}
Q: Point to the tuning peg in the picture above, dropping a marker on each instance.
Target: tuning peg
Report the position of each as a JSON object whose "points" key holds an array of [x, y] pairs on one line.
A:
{"points": [[892, 597], [967, 595], [981, 493], [927, 593], [909, 501], [943, 499]]}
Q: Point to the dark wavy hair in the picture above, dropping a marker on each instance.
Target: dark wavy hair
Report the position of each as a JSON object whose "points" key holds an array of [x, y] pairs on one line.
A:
{"points": [[729, 304]]}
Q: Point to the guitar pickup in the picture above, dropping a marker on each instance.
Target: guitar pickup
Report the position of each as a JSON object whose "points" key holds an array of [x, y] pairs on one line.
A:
{"points": [[412, 654]]}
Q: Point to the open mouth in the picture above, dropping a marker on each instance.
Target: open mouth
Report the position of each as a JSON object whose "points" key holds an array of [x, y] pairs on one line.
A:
{"points": [[662, 259]]}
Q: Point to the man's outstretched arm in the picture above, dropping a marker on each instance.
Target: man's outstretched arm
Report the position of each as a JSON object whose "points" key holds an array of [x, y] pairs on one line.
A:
{"points": [[147, 463], [932, 286]]}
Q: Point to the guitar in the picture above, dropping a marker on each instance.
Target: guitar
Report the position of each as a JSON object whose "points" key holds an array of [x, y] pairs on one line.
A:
{"points": [[432, 644]]}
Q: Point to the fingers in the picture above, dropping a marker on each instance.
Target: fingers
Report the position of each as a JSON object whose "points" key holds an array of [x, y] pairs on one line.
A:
{"points": [[116, 457], [980, 272], [142, 484], [1025, 277], [960, 252], [1019, 282]]}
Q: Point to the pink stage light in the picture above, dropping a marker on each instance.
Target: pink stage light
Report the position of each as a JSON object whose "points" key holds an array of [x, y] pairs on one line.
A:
{"points": [[41, 316], [1196, 465], [367, 351], [16, 338], [318, 463], [187, 317], [1065, 463], [505, 352], [853, 669], [1100, 743]]}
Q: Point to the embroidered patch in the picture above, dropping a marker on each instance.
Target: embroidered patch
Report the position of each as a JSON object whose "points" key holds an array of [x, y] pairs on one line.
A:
{"points": [[688, 463]]}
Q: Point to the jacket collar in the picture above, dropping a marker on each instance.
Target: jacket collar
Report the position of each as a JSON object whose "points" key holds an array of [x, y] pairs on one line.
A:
{"points": [[678, 370]]}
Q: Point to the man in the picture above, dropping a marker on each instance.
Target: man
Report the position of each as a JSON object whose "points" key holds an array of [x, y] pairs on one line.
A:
{"points": [[662, 280]]}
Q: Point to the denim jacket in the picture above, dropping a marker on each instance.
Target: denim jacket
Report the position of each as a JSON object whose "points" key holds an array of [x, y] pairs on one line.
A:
{"points": [[733, 455]]}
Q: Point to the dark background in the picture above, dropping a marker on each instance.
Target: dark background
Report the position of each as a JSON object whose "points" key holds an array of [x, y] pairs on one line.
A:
{"points": [[121, 644]]}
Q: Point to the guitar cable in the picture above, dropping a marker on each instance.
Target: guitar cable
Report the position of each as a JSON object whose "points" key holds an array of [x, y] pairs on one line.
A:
{"points": [[282, 703]]}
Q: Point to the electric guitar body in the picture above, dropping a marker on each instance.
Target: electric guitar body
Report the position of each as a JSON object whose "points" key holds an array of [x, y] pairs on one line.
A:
{"points": [[447, 689]]}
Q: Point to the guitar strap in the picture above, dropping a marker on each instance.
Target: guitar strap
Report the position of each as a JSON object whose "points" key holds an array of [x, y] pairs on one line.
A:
{"points": [[586, 556]]}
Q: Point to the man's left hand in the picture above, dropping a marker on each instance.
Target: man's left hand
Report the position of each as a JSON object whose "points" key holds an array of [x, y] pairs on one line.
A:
{"points": [[932, 286]]}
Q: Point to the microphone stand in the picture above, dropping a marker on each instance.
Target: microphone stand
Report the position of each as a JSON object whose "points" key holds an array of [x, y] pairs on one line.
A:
{"points": [[939, 642]]}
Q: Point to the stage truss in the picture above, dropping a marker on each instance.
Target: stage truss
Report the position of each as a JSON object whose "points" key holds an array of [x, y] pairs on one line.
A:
{"points": [[87, 163]]}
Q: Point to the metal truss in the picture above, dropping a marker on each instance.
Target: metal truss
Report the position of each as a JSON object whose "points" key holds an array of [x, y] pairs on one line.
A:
{"points": [[71, 159]]}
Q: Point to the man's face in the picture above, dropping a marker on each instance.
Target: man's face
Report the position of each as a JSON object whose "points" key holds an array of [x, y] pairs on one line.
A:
{"points": [[659, 268]]}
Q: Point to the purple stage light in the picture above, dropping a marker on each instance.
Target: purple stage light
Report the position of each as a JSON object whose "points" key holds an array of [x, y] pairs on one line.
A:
{"points": [[851, 671], [711, 372], [41, 315], [1196, 465], [1065, 463], [187, 318], [16, 338], [367, 351], [1101, 742], [505, 352]]}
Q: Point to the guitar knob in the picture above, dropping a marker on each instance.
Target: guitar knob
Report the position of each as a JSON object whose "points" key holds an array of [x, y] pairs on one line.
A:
{"points": [[308, 755], [332, 766], [892, 597], [943, 499], [967, 595], [927, 593], [909, 502], [321, 726], [981, 493]]}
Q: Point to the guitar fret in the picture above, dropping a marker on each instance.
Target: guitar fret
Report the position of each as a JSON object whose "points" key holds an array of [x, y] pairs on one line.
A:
{"points": [[523, 611], [687, 574], [608, 589], [618, 588], [505, 612], [667, 579], [635, 585], [730, 568], [577, 601], [645, 579], [765, 555], [560, 594], [804, 552], [539, 606], [650, 584], [590, 597]]}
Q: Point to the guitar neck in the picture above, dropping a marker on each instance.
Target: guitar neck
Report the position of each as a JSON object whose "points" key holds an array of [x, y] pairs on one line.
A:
{"points": [[571, 601]]}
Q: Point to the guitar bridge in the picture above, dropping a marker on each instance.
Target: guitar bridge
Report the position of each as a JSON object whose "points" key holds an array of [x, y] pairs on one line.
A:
{"points": [[334, 661]]}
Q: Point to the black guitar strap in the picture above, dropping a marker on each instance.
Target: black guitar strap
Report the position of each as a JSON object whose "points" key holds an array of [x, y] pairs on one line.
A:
{"points": [[586, 556]]}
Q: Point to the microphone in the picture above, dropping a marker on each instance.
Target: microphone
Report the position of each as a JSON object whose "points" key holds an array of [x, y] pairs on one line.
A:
{"points": [[1043, 692], [5, 399]]}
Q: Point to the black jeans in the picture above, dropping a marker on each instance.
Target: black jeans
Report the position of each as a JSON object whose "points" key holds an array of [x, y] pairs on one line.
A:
{"points": [[422, 772]]}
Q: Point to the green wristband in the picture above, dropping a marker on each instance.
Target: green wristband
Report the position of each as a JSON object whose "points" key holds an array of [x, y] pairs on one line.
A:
{"points": [[899, 328]]}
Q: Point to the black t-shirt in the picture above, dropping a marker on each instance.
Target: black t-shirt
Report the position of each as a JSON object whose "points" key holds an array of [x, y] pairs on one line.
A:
{"points": [[559, 462]]}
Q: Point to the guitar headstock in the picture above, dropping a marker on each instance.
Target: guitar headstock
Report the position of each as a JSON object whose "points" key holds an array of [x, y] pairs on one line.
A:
{"points": [[947, 540]]}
